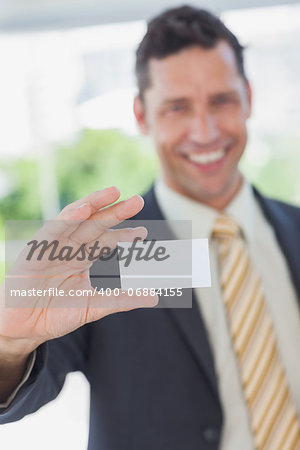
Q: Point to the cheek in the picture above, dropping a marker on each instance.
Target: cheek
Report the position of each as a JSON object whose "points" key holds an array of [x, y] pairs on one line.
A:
{"points": [[167, 136], [233, 123]]}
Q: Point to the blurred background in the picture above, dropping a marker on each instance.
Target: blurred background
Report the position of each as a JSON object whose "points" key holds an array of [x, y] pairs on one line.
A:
{"points": [[67, 128]]}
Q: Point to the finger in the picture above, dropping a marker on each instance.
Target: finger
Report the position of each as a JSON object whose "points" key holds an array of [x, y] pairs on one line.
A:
{"points": [[77, 257], [94, 227], [77, 212], [110, 239], [96, 200], [123, 210], [59, 228]]}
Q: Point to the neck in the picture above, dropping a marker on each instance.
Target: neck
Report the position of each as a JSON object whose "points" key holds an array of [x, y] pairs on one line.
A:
{"points": [[221, 202], [218, 202]]}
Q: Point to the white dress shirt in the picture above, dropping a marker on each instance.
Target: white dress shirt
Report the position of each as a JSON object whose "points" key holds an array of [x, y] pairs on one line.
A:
{"points": [[279, 292]]}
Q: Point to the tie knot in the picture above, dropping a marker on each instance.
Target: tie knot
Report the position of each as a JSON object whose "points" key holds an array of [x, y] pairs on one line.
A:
{"points": [[226, 227]]}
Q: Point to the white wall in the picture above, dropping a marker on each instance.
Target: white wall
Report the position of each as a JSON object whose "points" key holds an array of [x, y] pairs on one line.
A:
{"points": [[29, 14], [60, 425]]}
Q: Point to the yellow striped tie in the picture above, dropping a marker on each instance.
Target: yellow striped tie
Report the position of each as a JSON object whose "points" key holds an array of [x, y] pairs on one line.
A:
{"points": [[273, 416]]}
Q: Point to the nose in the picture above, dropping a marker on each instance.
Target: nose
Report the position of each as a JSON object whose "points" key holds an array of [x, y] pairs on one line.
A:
{"points": [[203, 128]]}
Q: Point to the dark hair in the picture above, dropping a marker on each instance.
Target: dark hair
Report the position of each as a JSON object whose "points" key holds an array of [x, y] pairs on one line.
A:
{"points": [[179, 28]]}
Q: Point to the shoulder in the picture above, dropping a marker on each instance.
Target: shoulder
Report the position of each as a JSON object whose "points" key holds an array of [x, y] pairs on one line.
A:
{"points": [[151, 209], [276, 209]]}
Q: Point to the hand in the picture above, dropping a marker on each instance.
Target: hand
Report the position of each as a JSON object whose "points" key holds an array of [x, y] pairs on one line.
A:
{"points": [[34, 320]]}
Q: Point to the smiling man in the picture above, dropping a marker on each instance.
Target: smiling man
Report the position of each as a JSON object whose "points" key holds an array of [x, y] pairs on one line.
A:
{"points": [[223, 374], [194, 101]]}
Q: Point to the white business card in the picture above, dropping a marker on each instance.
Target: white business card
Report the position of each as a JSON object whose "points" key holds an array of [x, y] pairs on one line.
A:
{"points": [[164, 264]]}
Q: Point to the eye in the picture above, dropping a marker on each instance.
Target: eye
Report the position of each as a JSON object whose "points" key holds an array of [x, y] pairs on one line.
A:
{"points": [[178, 107], [223, 101]]}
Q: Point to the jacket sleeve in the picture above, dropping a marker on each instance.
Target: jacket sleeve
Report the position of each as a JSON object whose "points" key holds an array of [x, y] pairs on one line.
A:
{"points": [[54, 360]]}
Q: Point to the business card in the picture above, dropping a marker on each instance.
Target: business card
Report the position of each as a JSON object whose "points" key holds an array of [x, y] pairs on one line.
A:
{"points": [[164, 264]]}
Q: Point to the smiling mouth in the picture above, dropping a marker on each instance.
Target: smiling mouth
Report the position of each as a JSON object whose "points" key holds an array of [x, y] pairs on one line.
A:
{"points": [[207, 158]]}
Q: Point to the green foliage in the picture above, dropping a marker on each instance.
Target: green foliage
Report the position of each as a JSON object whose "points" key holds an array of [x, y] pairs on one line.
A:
{"points": [[23, 200], [96, 160], [278, 175], [104, 158]]}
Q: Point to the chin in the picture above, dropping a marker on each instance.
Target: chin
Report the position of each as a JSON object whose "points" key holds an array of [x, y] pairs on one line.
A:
{"points": [[207, 194], [211, 191]]}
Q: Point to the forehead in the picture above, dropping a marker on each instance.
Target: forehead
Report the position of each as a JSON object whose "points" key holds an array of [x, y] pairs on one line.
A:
{"points": [[195, 69]]}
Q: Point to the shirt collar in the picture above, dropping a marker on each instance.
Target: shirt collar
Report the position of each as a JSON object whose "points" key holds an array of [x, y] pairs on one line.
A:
{"points": [[178, 207], [242, 209]]}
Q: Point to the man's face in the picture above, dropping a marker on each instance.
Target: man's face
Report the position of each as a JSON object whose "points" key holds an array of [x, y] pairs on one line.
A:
{"points": [[196, 110]]}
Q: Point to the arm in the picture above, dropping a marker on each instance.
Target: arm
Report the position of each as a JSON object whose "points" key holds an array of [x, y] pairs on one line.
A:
{"points": [[13, 364], [28, 323], [54, 360]]}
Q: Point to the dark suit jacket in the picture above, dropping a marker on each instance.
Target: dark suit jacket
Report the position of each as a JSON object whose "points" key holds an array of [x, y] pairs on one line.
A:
{"points": [[152, 377]]}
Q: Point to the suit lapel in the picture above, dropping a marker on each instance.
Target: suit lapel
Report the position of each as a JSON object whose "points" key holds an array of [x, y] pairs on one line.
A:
{"points": [[287, 233], [188, 321], [191, 327]]}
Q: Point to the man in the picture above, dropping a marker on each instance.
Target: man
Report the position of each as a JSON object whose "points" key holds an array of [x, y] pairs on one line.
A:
{"points": [[172, 378]]}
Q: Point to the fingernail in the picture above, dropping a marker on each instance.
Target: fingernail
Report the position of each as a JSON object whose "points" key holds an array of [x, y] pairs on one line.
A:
{"points": [[113, 187], [81, 206]]}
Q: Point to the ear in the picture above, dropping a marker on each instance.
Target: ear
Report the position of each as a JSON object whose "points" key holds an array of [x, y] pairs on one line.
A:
{"points": [[140, 114], [249, 99]]}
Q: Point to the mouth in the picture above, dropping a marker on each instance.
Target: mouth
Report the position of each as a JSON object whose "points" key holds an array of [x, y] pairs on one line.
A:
{"points": [[207, 161]]}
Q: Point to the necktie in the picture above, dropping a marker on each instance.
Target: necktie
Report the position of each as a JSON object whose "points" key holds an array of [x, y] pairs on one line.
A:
{"points": [[272, 413]]}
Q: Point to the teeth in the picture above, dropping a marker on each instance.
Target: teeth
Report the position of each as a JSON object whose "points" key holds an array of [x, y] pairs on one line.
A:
{"points": [[206, 158]]}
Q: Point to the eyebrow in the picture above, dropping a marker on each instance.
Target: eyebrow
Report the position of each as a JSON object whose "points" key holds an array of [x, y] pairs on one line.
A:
{"points": [[169, 101], [231, 93]]}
